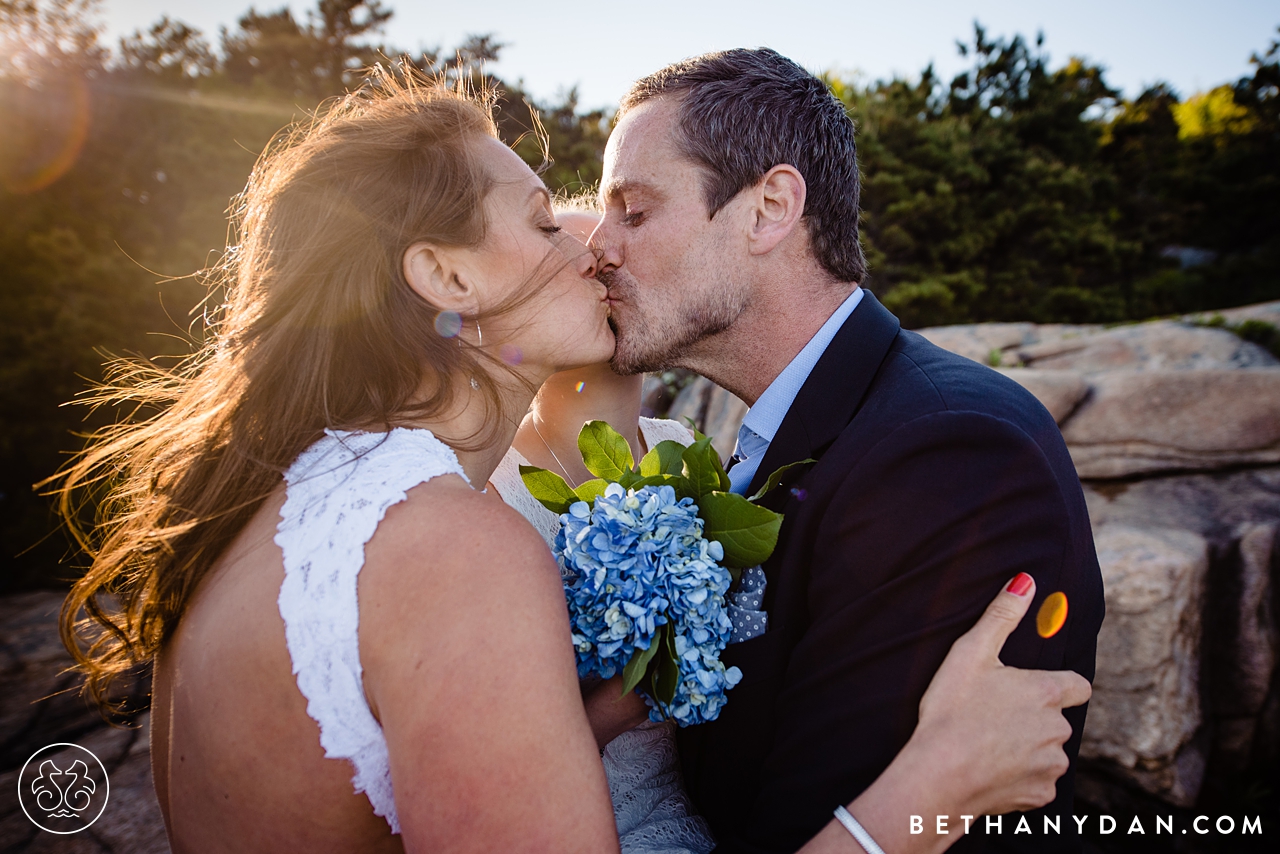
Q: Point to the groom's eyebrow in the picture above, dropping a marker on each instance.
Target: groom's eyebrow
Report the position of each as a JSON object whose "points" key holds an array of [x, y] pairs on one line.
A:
{"points": [[624, 187]]}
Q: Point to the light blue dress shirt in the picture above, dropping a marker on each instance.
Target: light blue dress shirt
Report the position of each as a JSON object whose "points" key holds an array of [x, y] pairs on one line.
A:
{"points": [[764, 419]]}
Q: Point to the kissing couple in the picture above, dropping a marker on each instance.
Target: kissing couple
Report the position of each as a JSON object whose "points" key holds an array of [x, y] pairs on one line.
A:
{"points": [[315, 533]]}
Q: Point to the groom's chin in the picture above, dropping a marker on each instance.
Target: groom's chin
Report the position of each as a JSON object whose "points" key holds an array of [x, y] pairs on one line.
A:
{"points": [[626, 368], [626, 362]]}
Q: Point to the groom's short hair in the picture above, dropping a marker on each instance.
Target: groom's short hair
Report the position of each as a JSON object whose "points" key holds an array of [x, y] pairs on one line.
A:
{"points": [[741, 113]]}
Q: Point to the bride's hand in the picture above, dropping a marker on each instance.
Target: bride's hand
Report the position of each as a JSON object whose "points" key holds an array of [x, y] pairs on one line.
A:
{"points": [[999, 729], [610, 713], [989, 741]]}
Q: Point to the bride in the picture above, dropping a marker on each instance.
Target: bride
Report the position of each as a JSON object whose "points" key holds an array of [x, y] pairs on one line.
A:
{"points": [[354, 648]]}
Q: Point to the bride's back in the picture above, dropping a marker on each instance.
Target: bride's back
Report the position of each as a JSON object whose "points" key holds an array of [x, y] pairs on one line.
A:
{"points": [[237, 762], [238, 756], [295, 578]]}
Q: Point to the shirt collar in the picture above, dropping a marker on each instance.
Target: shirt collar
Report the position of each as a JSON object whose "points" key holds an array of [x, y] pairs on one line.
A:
{"points": [[764, 419]]}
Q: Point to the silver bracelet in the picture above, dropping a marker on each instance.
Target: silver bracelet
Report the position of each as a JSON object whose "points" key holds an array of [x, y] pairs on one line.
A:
{"points": [[859, 832]]}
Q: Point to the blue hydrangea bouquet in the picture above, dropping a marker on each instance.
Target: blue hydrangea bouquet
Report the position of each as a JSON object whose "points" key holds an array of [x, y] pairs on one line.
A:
{"points": [[648, 553]]}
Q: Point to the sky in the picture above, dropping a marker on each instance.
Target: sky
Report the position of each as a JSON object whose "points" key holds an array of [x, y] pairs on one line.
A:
{"points": [[601, 48]]}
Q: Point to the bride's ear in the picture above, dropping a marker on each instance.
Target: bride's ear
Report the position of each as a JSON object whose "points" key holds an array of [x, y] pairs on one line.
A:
{"points": [[435, 274]]}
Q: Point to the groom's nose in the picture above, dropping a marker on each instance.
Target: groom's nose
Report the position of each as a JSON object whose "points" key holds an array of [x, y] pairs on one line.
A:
{"points": [[607, 250]]}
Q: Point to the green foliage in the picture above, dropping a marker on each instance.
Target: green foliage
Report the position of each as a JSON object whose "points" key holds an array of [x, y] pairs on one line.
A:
{"points": [[39, 35], [549, 489], [315, 58], [666, 676], [665, 458], [634, 672], [983, 198], [88, 267], [1260, 332], [590, 490], [573, 141], [605, 452], [703, 469], [774, 480], [169, 52], [746, 531], [1019, 192]]}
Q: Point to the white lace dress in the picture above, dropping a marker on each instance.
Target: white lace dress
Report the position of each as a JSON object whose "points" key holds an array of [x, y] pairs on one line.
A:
{"points": [[653, 812], [337, 492]]}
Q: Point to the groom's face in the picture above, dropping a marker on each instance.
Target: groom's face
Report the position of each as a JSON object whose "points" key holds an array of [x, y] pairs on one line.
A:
{"points": [[674, 273]]}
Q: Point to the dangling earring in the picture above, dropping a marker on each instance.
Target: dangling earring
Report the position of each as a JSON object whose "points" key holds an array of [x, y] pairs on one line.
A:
{"points": [[475, 384]]}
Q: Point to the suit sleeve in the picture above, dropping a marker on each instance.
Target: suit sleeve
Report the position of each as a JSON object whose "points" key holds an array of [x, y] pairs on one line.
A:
{"points": [[916, 540]]}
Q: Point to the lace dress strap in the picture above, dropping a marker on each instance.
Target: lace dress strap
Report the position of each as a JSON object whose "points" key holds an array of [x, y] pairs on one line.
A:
{"points": [[657, 430], [511, 489], [337, 492]]}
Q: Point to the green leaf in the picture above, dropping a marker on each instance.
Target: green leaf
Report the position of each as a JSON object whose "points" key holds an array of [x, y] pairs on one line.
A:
{"points": [[634, 672], [747, 532], [665, 458], [604, 452], [629, 480], [772, 481], [591, 490], [693, 426], [548, 488], [682, 486], [702, 467], [667, 673]]}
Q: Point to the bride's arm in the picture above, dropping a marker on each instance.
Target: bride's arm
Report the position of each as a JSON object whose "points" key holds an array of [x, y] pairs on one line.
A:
{"points": [[989, 741], [469, 666]]}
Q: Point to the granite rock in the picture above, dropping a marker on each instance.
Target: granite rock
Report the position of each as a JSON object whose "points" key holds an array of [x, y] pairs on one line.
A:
{"points": [[1146, 695], [1060, 391], [1236, 514], [716, 411], [40, 706], [1158, 345], [1137, 422], [979, 341]]}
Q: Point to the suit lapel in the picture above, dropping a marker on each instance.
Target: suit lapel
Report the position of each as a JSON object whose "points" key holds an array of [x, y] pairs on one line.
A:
{"points": [[830, 397], [827, 402]]}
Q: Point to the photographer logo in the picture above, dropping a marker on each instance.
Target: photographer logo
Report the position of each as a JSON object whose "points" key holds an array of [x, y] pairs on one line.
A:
{"points": [[63, 788]]}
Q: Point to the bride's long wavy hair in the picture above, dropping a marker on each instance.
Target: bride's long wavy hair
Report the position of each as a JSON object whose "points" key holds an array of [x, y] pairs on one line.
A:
{"points": [[318, 329]]}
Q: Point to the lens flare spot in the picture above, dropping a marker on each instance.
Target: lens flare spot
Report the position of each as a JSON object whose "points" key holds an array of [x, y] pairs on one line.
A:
{"points": [[1052, 614], [799, 493], [511, 354], [448, 324], [578, 388], [45, 127]]}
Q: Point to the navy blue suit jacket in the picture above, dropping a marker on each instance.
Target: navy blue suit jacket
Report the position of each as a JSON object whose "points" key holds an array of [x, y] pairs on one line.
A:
{"points": [[937, 480]]}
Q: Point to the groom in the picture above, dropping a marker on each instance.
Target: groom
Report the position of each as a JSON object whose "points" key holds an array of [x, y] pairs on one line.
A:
{"points": [[730, 247]]}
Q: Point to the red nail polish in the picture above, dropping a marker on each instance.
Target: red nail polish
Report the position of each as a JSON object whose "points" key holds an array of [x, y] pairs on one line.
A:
{"points": [[1021, 584]]}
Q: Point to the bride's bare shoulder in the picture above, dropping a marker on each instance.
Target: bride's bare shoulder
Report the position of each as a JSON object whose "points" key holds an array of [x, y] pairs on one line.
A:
{"points": [[449, 532], [447, 569]]}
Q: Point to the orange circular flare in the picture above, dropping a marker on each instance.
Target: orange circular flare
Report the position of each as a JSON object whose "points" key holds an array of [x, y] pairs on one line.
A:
{"points": [[44, 128], [1052, 614]]}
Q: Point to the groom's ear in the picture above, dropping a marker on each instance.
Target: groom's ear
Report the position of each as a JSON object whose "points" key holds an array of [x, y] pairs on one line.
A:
{"points": [[779, 207], [436, 274]]}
